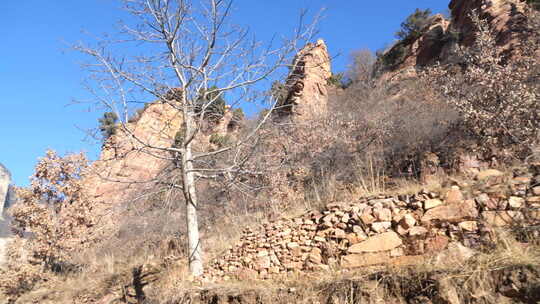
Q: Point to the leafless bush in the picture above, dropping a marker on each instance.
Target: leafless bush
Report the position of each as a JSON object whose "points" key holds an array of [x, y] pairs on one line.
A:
{"points": [[404, 119], [360, 69], [496, 92]]}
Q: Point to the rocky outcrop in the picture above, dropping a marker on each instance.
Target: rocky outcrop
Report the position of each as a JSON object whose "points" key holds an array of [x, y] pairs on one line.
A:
{"points": [[506, 18], [306, 84], [128, 158], [5, 233], [400, 229], [5, 181]]}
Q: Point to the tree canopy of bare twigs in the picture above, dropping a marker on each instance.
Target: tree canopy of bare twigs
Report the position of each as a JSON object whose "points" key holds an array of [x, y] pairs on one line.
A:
{"points": [[188, 54]]}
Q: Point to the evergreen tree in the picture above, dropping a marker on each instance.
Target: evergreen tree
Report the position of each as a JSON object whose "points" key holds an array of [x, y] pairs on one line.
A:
{"points": [[412, 27], [216, 109], [107, 124]]}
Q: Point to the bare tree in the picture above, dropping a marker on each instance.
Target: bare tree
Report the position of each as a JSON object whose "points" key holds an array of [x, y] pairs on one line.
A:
{"points": [[188, 54], [360, 71]]}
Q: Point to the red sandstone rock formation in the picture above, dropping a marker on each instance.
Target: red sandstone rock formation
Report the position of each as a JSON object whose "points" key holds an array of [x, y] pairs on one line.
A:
{"points": [[129, 160], [125, 161], [507, 18], [307, 83]]}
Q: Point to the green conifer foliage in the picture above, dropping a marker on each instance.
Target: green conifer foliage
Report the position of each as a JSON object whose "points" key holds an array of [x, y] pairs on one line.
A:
{"points": [[107, 124], [412, 27]]}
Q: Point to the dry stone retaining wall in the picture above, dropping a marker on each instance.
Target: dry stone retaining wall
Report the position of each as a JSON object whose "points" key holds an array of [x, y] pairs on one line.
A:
{"points": [[386, 229]]}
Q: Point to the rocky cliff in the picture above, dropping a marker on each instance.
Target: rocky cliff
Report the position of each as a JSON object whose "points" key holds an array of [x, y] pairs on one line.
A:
{"points": [[127, 160], [307, 88], [506, 18], [131, 161], [5, 181]]}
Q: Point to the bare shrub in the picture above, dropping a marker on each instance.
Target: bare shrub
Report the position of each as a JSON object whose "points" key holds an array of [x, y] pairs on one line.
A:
{"points": [[404, 119], [360, 70], [496, 93]]}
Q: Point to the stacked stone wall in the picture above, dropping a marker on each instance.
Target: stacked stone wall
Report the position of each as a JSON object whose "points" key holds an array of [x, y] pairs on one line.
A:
{"points": [[398, 229]]}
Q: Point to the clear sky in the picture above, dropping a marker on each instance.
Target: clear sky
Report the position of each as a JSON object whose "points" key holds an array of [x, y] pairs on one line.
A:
{"points": [[40, 76]]}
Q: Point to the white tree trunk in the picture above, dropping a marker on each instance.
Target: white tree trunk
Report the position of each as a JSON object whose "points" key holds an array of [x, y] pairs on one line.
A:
{"points": [[190, 195]]}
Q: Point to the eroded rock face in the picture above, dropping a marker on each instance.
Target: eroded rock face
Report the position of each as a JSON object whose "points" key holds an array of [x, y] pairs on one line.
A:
{"points": [[130, 160], [125, 162], [307, 83], [5, 181], [507, 19], [402, 59]]}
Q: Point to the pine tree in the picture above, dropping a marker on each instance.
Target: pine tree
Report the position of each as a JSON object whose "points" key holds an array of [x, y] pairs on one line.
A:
{"points": [[107, 124], [412, 27], [214, 101]]}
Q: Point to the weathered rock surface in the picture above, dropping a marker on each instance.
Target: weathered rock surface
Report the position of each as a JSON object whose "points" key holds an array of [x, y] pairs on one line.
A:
{"points": [[124, 163], [129, 160], [505, 17], [5, 181], [382, 242], [453, 213], [5, 234], [307, 84], [440, 37]]}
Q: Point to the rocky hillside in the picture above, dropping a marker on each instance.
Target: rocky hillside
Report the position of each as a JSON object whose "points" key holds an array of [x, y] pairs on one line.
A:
{"points": [[126, 166], [328, 224], [125, 160], [440, 38]]}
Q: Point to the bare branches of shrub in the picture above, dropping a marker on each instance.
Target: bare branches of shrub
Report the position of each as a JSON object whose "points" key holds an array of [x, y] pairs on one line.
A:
{"points": [[497, 95]]}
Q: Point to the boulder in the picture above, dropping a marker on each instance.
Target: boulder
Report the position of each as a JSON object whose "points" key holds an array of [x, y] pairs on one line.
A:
{"points": [[453, 213], [454, 195], [502, 218], [454, 254], [437, 243], [432, 203], [367, 259], [380, 226], [469, 226], [489, 173], [382, 242], [408, 221], [516, 202], [383, 214], [417, 230]]}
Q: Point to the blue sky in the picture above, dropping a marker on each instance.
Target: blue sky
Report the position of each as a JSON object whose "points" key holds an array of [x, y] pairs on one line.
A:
{"points": [[40, 76]]}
